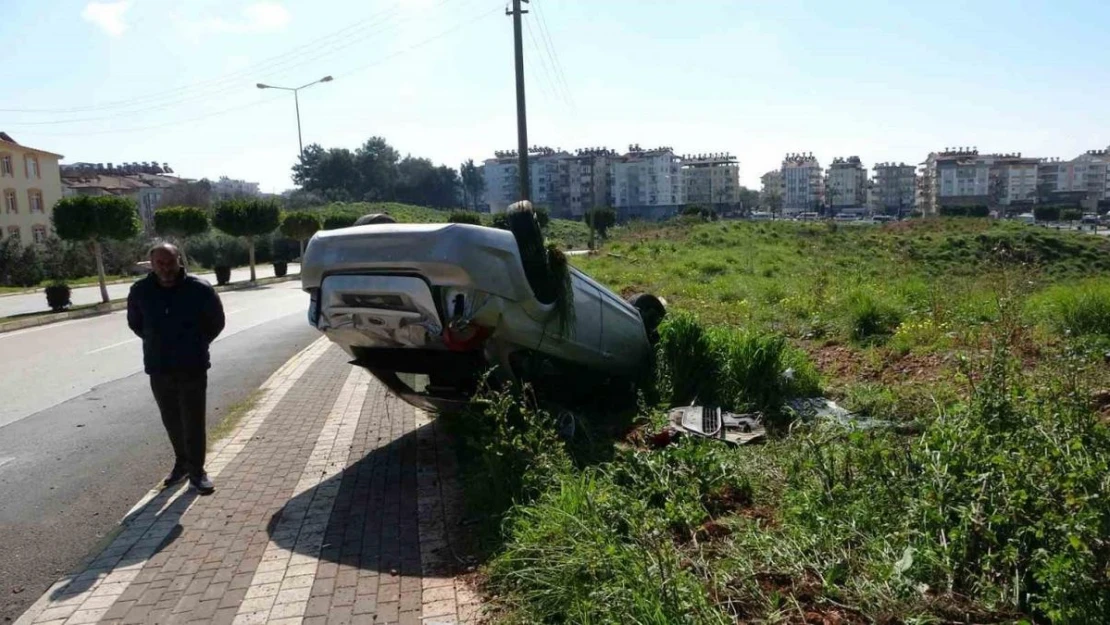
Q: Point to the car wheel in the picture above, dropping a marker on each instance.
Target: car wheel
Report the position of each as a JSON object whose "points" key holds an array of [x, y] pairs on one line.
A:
{"points": [[374, 219], [533, 255], [652, 312]]}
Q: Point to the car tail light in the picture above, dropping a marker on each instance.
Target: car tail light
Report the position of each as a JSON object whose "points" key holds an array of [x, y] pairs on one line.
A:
{"points": [[465, 339]]}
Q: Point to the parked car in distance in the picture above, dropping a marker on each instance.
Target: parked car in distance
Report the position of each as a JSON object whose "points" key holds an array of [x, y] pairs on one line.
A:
{"points": [[428, 309]]}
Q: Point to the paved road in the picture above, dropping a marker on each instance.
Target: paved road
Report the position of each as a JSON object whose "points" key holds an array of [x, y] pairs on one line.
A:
{"points": [[36, 302], [80, 437]]}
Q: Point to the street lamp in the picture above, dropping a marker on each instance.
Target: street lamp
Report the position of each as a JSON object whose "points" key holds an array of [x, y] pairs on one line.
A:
{"points": [[297, 103]]}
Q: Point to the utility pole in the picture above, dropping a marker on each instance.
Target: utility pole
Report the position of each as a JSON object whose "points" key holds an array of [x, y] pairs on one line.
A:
{"points": [[521, 113]]}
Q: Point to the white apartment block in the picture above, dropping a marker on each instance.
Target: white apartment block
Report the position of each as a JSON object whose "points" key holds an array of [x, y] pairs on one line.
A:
{"points": [[590, 178], [846, 183], [228, 188], [711, 179], [803, 185], [1086, 177], [963, 177], [647, 179], [895, 188], [502, 180]]}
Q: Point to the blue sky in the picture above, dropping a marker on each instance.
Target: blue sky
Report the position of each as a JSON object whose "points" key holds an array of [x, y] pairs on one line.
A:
{"points": [[173, 80]]}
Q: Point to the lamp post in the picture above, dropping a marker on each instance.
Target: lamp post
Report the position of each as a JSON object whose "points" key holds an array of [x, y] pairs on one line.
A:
{"points": [[297, 103]]}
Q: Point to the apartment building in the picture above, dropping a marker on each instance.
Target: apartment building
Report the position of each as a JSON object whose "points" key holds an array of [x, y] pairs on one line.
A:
{"points": [[226, 188], [1084, 179], [846, 183], [895, 188], [648, 183], [964, 177], [711, 179], [30, 185], [502, 178], [590, 179], [549, 170], [803, 184], [145, 183]]}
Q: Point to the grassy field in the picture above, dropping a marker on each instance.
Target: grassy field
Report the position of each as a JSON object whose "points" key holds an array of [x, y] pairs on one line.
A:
{"points": [[983, 496]]}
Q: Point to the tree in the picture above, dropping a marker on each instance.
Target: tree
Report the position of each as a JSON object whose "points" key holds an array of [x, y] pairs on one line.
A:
{"points": [[376, 163], [336, 219], [422, 183], [773, 201], [1044, 191], [473, 183], [179, 223], [301, 225], [248, 218], [94, 219], [328, 171], [599, 220], [749, 198]]}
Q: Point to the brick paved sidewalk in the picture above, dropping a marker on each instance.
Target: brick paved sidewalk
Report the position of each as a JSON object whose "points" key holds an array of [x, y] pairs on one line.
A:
{"points": [[335, 503]]}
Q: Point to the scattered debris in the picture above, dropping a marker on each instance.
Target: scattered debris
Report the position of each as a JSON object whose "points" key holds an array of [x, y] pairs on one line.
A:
{"points": [[711, 422]]}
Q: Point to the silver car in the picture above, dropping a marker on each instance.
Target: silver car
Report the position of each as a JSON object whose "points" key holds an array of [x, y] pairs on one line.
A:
{"points": [[429, 309]]}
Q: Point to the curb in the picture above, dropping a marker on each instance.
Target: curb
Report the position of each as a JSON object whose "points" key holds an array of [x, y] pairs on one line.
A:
{"points": [[119, 304]]}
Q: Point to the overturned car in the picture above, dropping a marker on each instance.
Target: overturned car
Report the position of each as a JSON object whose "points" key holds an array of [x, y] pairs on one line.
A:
{"points": [[431, 310]]}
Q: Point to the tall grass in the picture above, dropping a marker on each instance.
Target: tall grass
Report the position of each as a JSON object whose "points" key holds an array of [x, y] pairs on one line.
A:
{"points": [[1076, 309]]}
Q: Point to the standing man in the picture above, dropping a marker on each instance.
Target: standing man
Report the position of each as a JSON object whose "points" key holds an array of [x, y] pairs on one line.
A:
{"points": [[178, 316]]}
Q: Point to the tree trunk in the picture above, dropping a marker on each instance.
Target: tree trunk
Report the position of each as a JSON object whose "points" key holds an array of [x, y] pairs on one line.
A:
{"points": [[184, 257], [250, 247], [302, 250], [100, 270]]}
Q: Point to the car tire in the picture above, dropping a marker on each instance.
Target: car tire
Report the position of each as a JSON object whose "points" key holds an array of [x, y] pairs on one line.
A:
{"points": [[652, 311], [374, 219], [533, 254]]}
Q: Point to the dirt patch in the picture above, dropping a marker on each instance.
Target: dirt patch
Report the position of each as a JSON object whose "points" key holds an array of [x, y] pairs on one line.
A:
{"points": [[837, 361], [727, 499], [914, 368]]}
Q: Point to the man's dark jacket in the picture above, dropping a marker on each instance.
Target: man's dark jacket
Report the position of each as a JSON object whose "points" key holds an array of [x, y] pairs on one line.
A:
{"points": [[176, 324]]}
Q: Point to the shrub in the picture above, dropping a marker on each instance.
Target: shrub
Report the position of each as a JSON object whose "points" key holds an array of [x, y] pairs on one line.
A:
{"points": [[978, 210], [870, 318], [334, 220], [1071, 214], [26, 270], [57, 296], [465, 217], [1047, 213]]}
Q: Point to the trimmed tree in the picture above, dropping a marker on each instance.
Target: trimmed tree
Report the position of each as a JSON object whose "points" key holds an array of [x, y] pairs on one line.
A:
{"points": [[247, 218], [301, 225], [94, 219], [179, 223], [337, 219], [465, 217], [599, 219]]}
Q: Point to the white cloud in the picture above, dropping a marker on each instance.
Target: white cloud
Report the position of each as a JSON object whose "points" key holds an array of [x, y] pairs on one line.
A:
{"points": [[258, 17], [107, 16]]}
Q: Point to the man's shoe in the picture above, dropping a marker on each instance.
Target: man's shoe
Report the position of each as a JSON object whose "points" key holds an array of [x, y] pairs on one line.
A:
{"points": [[175, 477], [203, 485]]}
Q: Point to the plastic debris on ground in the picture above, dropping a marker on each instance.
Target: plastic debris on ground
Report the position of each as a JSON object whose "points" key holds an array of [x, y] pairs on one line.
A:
{"points": [[714, 423]]}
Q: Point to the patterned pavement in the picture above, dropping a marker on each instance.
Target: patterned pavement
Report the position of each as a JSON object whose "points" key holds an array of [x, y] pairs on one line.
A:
{"points": [[336, 503]]}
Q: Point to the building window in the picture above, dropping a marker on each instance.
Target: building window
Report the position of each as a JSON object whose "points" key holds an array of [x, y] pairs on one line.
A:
{"points": [[13, 233], [6, 168], [11, 205], [38, 232], [34, 200], [32, 166]]}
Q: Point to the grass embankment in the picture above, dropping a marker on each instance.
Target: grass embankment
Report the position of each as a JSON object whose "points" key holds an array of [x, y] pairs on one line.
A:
{"points": [[988, 337], [567, 234]]}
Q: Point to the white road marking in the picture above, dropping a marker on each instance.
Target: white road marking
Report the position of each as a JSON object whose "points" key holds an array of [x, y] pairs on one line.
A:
{"points": [[4, 461], [102, 349], [303, 522]]}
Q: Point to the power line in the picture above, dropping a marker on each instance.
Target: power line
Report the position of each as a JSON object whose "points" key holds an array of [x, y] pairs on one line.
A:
{"points": [[273, 98], [549, 87], [336, 40], [546, 34]]}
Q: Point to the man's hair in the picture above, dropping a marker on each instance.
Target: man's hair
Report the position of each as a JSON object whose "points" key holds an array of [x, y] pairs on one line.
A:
{"points": [[164, 245]]}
